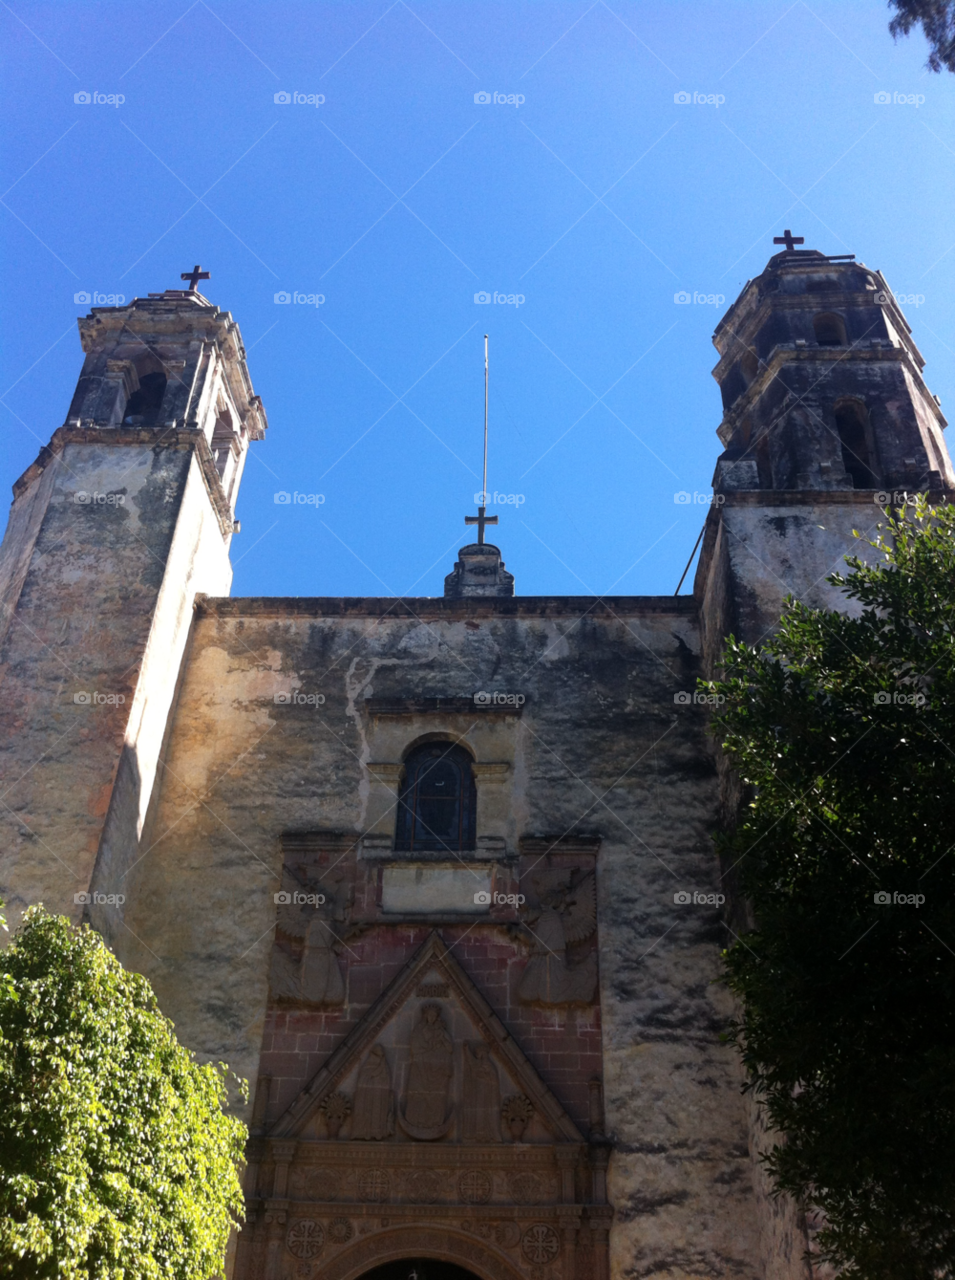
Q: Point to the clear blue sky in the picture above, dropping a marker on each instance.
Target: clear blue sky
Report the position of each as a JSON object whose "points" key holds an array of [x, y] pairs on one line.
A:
{"points": [[399, 197]]}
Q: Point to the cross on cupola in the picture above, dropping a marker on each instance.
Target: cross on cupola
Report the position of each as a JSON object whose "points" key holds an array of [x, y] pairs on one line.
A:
{"points": [[789, 240], [194, 276], [481, 520]]}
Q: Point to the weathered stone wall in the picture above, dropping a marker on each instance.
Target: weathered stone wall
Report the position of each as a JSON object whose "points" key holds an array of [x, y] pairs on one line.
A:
{"points": [[95, 630], [600, 748]]}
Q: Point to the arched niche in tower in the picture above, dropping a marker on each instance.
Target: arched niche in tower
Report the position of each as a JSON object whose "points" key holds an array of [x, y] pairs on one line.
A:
{"points": [[143, 406], [855, 436], [830, 330]]}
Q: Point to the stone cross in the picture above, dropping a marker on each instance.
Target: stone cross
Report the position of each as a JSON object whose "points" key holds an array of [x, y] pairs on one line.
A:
{"points": [[480, 520], [197, 274], [789, 240]]}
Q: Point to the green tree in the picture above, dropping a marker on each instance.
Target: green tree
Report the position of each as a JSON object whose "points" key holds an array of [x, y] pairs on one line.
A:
{"points": [[937, 20], [116, 1157], [842, 729]]}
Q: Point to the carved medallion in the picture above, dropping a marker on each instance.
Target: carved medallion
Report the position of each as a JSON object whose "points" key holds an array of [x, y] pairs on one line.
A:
{"points": [[474, 1187], [374, 1185], [306, 1238], [525, 1187], [340, 1230], [540, 1244], [424, 1186]]}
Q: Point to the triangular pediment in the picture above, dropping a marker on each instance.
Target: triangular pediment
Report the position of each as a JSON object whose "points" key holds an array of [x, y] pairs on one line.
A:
{"points": [[430, 1059]]}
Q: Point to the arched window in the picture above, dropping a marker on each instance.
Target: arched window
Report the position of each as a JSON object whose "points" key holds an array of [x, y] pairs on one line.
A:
{"points": [[142, 407], [852, 423], [437, 803], [749, 366], [830, 330]]}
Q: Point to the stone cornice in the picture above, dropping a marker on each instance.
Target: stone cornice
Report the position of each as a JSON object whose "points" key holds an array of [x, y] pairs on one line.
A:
{"points": [[437, 607]]}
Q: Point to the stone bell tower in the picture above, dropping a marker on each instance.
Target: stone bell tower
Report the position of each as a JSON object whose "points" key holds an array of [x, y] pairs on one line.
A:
{"points": [[826, 418], [121, 520]]}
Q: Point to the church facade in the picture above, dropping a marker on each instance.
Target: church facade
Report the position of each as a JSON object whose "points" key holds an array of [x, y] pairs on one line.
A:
{"points": [[436, 874]]}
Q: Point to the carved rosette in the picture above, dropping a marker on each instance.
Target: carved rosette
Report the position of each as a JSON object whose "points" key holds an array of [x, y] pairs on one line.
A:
{"points": [[305, 1239], [540, 1243], [475, 1186], [340, 1230], [374, 1186]]}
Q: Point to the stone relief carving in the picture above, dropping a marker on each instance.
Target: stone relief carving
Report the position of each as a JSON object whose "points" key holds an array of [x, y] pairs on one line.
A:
{"points": [[540, 1243], [305, 1239], [427, 1112], [481, 1095], [567, 915], [516, 1112], [310, 925], [340, 1230], [374, 1106], [337, 1109]]}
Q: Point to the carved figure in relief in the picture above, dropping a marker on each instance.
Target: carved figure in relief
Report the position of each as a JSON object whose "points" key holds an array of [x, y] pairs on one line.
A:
{"points": [[481, 1095], [568, 914], [373, 1116], [427, 1114], [309, 916]]}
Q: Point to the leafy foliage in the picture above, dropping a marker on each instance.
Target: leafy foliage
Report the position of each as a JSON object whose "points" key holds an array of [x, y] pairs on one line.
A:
{"points": [[843, 731], [937, 20], [117, 1161]]}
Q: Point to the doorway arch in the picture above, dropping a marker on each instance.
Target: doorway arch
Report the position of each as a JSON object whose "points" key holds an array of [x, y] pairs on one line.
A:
{"points": [[475, 1259], [419, 1269]]}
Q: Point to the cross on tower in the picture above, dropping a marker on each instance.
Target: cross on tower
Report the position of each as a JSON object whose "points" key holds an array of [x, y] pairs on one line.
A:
{"points": [[197, 274], [480, 520], [789, 240]]}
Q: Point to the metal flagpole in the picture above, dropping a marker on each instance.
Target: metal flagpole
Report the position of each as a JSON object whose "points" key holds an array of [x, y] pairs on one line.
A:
{"points": [[484, 487]]}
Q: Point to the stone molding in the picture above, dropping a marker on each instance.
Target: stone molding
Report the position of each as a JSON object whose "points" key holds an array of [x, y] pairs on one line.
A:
{"points": [[414, 609]]}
